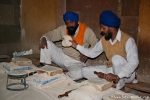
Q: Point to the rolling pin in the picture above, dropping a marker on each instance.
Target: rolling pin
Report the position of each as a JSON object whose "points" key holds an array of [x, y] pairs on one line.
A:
{"points": [[65, 94], [102, 75]]}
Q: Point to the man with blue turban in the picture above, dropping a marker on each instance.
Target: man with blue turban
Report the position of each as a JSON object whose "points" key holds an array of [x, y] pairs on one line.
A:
{"points": [[120, 49], [66, 57]]}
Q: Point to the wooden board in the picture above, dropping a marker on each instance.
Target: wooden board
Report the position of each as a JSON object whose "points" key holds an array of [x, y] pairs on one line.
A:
{"points": [[141, 86]]}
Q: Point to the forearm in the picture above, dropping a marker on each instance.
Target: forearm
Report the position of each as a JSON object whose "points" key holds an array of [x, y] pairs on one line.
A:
{"points": [[91, 52]]}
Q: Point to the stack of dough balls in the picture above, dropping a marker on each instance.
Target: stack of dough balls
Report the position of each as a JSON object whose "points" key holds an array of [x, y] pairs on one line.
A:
{"points": [[66, 42]]}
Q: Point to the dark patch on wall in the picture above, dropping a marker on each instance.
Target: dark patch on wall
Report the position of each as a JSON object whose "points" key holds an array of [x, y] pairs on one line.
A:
{"points": [[10, 2], [130, 26], [10, 38], [6, 14], [9, 48], [130, 17], [17, 15], [10, 34], [130, 7]]}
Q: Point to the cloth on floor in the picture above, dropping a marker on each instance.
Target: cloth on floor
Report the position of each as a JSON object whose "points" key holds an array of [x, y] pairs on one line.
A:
{"points": [[6, 67]]}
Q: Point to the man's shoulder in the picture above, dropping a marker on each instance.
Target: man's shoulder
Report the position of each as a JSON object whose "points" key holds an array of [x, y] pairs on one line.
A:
{"points": [[126, 34], [62, 27], [126, 37], [87, 27]]}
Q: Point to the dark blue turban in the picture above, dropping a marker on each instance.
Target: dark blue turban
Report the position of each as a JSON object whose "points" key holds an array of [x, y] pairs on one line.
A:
{"points": [[110, 19], [71, 16]]}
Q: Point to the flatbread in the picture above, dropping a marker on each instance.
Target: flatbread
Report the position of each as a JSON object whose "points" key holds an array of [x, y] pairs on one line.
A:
{"points": [[99, 84], [66, 42]]}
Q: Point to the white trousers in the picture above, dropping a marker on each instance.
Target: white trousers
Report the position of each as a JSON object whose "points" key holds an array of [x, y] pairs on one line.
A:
{"points": [[118, 62], [56, 55]]}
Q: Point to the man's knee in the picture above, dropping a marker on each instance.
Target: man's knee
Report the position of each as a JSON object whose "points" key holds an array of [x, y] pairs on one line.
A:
{"points": [[84, 72], [83, 69], [50, 43], [118, 60]]}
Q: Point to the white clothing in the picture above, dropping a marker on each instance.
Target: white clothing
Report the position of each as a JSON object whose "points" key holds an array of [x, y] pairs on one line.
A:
{"points": [[56, 55], [126, 67], [130, 48], [118, 64]]}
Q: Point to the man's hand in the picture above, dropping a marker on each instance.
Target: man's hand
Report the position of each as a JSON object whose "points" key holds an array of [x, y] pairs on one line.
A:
{"points": [[99, 74], [43, 43], [74, 43], [83, 58], [111, 77]]}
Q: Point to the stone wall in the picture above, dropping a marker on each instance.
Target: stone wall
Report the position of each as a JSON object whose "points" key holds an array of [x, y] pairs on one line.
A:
{"points": [[9, 27]]}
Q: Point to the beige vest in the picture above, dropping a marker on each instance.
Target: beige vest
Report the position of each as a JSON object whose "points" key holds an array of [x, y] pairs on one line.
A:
{"points": [[116, 49]]}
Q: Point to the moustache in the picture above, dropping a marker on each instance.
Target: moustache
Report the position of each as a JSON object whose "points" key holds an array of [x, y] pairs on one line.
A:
{"points": [[70, 28], [102, 33]]}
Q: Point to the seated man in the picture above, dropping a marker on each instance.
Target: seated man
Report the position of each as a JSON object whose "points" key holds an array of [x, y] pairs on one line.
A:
{"points": [[120, 49], [67, 58]]}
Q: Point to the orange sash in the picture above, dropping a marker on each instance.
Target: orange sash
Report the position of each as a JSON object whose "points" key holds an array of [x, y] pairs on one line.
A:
{"points": [[80, 36]]}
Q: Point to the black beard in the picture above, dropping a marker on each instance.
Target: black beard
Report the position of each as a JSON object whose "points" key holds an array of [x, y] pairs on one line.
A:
{"points": [[102, 33], [108, 36], [72, 30]]}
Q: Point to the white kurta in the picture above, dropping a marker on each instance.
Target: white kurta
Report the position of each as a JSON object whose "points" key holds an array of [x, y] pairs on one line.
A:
{"points": [[121, 67]]}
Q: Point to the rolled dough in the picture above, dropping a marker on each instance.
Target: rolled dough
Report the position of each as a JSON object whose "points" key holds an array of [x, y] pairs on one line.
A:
{"points": [[66, 42]]}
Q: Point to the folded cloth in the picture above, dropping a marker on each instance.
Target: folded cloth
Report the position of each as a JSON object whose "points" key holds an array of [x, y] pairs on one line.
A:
{"points": [[7, 67], [20, 61], [19, 54], [40, 81], [85, 93]]}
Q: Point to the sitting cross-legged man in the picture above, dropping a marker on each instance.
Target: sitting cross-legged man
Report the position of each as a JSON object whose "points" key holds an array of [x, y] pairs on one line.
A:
{"points": [[68, 58], [120, 49]]}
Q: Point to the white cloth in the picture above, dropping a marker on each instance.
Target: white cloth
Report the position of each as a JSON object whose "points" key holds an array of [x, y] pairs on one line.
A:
{"points": [[130, 48], [88, 72], [87, 92], [51, 92], [118, 64], [10, 66], [90, 93], [56, 55], [98, 83], [127, 66]]}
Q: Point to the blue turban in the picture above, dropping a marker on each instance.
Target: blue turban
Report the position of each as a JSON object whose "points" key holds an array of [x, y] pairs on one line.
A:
{"points": [[110, 19], [71, 16]]}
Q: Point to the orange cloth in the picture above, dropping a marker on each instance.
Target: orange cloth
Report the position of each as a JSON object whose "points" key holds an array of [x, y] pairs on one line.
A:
{"points": [[80, 35]]}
